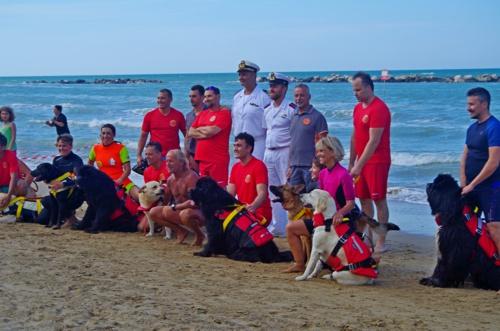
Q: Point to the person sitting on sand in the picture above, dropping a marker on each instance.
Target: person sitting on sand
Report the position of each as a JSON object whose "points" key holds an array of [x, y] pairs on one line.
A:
{"points": [[112, 158], [316, 167], [334, 178], [180, 214], [157, 169]]}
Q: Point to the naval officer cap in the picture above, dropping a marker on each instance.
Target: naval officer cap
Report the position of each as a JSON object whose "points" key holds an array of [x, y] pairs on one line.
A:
{"points": [[277, 78], [248, 66]]}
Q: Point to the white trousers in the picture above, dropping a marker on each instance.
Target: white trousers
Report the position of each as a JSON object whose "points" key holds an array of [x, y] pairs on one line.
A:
{"points": [[259, 148], [276, 162]]}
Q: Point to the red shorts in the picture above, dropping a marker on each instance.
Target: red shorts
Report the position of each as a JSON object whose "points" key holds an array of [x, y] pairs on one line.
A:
{"points": [[372, 182], [217, 170]]}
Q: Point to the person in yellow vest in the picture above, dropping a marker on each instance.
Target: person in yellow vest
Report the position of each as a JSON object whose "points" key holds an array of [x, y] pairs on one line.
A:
{"points": [[112, 158]]}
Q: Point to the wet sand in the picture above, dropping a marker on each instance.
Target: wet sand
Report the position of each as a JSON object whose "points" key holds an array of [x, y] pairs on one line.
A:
{"points": [[60, 280]]}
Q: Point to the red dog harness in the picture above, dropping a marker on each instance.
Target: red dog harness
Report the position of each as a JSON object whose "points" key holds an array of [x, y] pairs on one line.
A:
{"points": [[475, 226], [248, 227], [360, 261]]}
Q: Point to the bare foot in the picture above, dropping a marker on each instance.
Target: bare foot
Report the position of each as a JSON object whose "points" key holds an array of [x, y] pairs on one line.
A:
{"points": [[198, 240], [295, 268], [181, 235]]}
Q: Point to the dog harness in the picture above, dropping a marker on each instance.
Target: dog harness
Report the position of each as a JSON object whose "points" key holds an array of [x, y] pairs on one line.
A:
{"points": [[358, 255], [304, 212], [64, 176], [475, 225], [20, 201], [246, 226]]}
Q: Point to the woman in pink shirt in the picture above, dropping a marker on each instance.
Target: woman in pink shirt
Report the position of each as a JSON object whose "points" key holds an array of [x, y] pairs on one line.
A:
{"points": [[336, 180]]}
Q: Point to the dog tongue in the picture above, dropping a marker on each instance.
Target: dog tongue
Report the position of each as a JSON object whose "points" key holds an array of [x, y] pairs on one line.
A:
{"points": [[438, 220]]}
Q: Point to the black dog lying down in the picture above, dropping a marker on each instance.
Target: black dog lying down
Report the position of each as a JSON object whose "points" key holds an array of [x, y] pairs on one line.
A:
{"points": [[460, 252], [60, 204], [106, 211], [234, 242]]}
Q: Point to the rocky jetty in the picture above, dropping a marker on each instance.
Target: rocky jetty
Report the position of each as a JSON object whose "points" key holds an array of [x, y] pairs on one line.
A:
{"points": [[413, 78], [100, 81]]}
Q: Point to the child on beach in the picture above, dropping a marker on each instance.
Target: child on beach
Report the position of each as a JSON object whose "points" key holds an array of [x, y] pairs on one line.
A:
{"points": [[8, 128], [316, 167]]}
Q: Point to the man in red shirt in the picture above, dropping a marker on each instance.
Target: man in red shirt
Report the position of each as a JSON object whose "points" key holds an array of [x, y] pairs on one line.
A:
{"points": [[157, 169], [370, 157], [9, 170], [211, 129], [248, 180], [164, 124]]}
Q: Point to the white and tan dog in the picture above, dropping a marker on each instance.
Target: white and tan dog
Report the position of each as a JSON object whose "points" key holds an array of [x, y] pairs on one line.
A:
{"points": [[325, 240], [150, 196]]}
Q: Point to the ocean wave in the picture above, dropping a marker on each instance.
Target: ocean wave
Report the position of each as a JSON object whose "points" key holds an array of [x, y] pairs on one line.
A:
{"points": [[20, 106], [140, 111], [412, 195], [97, 123], [407, 159]]}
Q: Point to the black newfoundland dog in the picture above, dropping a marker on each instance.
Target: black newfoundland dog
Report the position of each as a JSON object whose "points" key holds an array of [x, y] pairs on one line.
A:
{"points": [[61, 203], [106, 211], [235, 241], [460, 253]]}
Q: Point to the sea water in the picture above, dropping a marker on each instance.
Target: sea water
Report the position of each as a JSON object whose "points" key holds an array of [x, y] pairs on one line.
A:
{"points": [[429, 120]]}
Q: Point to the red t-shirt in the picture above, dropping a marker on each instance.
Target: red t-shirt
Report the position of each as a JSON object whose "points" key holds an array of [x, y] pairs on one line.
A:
{"points": [[245, 178], [215, 148], [8, 166], [376, 115], [165, 128], [159, 175]]}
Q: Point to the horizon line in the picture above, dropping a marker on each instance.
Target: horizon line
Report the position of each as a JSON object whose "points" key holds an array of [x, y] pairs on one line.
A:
{"points": [[234, 72]]}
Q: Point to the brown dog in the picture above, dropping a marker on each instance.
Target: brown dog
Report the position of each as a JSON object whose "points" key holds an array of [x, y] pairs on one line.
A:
{"points": [[289, 197]]}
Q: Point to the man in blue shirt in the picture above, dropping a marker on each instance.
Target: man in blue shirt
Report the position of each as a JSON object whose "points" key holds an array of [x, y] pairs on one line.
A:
{"points": [[479, 170]]}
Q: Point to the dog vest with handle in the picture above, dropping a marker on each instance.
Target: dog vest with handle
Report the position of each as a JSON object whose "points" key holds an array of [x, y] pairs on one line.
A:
{"points": [[358, 255], [248, 227], [20, 201], [64, 176], [475, 226], [304, 212]]}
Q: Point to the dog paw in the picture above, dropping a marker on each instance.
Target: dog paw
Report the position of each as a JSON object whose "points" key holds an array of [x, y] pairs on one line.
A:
{"points": [[427, 281], [301, 278], [91, 231], [327, 276], [202, 254], [148, 234]]}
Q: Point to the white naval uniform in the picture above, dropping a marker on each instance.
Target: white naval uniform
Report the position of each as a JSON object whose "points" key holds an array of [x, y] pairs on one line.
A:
{"points": [[277, 121], [248, 114]]}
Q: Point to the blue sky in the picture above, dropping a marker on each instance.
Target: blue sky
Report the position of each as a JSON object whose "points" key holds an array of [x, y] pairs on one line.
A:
{"points": [[58, 37]]}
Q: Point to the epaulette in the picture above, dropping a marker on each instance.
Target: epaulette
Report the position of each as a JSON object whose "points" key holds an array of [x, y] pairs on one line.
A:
{"points": [[294, 106]]}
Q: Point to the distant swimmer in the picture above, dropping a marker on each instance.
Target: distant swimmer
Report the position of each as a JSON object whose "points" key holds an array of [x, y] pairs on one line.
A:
{"points": [[163, 125], [248, 107], [59, 121]]}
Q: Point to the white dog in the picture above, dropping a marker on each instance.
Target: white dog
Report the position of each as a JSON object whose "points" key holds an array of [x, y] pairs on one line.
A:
{"points": [[150, 196], [325, 239]]}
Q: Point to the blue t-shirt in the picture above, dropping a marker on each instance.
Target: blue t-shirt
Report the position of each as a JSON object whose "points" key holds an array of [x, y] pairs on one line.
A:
{"points": [[481, 136]]}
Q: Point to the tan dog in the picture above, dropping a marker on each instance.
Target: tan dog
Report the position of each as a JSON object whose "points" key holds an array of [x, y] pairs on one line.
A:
{"points": [[150, 196], [289, 196]]}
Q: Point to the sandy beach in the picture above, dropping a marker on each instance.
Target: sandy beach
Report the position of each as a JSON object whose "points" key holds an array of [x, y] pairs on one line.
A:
{"points": [[60, 280]]}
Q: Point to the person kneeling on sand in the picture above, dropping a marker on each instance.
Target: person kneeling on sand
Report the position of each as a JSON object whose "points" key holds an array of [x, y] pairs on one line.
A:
{"points": [[180, 214]]}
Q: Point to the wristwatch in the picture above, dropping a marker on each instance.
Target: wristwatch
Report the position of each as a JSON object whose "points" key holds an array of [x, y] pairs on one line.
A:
{"points": [[173, 207]]}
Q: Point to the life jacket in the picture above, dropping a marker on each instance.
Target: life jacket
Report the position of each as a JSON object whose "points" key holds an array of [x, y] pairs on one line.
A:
{"points": [[246, 227], [476, 227], [358, 255], [130, 204]]}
